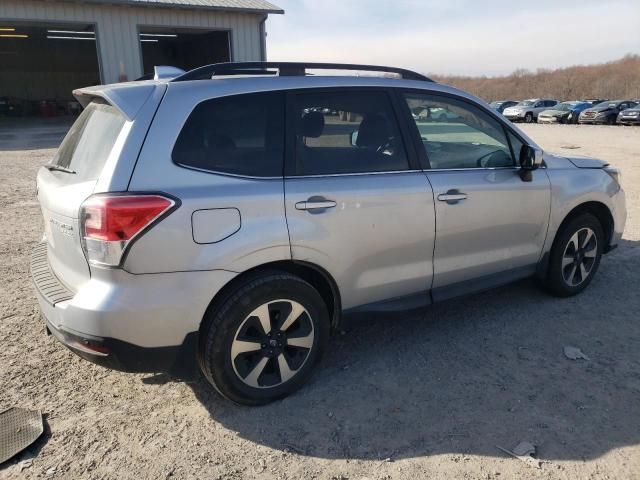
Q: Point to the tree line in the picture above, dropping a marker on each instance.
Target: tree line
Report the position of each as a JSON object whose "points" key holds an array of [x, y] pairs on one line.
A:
{"points": [[619, 79]]}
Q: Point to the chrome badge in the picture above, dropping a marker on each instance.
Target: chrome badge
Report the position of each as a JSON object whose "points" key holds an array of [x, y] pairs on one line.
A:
{"points": [[63, 228]]}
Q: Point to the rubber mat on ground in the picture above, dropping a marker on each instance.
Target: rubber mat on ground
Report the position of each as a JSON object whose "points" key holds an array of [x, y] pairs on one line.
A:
{"points": [[19, 428]]}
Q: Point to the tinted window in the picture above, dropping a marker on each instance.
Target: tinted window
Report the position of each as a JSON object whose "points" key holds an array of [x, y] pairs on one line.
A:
{"points": [[87, 146], [347, 132], [467, 137], [242, 135]]}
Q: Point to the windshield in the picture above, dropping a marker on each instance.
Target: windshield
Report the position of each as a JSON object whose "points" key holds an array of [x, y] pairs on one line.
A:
{"points": [[496, 104], [564, 107], [526, 103], [88, 143], [607, 105]]}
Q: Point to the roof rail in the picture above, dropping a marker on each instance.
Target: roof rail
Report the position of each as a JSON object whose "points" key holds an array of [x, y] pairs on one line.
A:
{"points": [[287, 69]]}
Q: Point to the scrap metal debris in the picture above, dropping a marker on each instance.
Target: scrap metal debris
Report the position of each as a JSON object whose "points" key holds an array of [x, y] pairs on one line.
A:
{"points": [[19, 428], [573, 353], [524, 452], [524, 448]]}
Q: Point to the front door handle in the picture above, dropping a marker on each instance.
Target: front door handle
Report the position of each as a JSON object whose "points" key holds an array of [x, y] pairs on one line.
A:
{"points": [[315, 203], [452, 196]]}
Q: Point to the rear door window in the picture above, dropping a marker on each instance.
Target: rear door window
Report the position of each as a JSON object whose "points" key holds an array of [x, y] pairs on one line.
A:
{"points": [[89, 142], [343, 132], [239, 135]]}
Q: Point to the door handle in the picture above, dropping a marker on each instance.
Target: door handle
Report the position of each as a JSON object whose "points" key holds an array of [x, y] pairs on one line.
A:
{"points": [[452, 196], [315, 203]]}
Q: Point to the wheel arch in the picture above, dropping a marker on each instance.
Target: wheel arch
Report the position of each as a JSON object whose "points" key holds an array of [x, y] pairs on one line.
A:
{"points": [[313, 274], [597, 209]]}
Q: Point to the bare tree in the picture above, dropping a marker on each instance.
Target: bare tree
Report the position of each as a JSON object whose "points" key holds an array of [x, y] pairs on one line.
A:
{"points": [[613, 80]]}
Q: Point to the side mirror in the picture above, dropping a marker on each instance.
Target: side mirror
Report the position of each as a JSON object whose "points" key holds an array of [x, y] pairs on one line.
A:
{"points": [[354, 138], [530, 160]]}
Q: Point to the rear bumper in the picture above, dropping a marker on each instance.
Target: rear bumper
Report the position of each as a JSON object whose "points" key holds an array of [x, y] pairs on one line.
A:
{"points": [[123, 356], [133, 323]]}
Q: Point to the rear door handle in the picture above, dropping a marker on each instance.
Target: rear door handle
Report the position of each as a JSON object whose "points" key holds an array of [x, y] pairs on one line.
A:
{"points": [[315, 204], [452, 196]]}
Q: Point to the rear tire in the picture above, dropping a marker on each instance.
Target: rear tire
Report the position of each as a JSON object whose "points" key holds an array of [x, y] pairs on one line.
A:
{"points": [[252, 366], [575, 256]]}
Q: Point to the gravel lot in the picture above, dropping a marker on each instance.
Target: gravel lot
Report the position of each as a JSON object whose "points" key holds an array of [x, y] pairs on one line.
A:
{"points": [[416, 398]]}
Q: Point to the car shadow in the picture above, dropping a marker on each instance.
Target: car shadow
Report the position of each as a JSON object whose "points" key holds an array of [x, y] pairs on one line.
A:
{"points": [[475, 373]]}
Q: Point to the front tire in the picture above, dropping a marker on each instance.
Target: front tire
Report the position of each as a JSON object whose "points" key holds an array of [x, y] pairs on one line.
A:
{"points": [[263, 340], [528, 118], [575, 256]]}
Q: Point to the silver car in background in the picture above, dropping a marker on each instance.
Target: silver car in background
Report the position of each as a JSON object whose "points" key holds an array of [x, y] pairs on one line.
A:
{"points": [[236, 214], [527, 110]]}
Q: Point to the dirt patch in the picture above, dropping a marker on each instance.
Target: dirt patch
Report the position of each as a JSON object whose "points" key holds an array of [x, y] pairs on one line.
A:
{"points": [[416, 398]]}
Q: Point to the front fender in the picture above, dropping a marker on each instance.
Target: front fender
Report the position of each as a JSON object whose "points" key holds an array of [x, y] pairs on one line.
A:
{"points": [[572, 187]]}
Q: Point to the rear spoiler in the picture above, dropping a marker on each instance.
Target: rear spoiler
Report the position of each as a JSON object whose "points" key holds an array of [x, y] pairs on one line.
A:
{"points": [[127, 98], [166, 72]]}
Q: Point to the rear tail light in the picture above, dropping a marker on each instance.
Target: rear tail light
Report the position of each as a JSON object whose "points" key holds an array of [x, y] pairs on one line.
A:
{"points": [[110, 223]]}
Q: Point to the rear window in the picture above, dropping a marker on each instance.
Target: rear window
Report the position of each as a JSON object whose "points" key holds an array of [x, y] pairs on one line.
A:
{"points": [[240, 135], [87, 146]]}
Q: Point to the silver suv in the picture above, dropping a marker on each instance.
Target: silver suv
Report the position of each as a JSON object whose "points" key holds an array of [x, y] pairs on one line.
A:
{"points": [[527, 110], [236, 214]]}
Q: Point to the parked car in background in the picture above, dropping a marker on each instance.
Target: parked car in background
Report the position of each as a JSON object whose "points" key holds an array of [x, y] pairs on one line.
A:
{"points": [[605, 112], [500, 105], [565, 112], [10, 107], [595, 101], [527, 110], [630, 116], [434, 114]]}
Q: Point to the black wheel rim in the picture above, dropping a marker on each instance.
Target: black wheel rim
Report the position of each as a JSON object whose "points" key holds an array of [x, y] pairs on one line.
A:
{"points": [[272, 344]]}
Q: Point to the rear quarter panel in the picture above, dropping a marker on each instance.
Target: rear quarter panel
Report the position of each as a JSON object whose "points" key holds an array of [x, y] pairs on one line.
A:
{"points": [[170, 245]]}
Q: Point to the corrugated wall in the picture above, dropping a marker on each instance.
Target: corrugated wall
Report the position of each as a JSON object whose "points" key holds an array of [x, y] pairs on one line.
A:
{"points": [[117, 28]]}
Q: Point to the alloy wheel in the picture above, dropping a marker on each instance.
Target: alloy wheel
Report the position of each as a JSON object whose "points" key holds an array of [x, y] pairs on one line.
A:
{"points": [[272, 344], [579, 257]]}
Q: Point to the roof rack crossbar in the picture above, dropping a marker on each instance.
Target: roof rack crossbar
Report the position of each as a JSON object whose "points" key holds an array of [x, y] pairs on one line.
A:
{"points": [[207, 72]]}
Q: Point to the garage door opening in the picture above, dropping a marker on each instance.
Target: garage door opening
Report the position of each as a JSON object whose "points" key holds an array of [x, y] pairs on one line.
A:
{"points": [[183, 48], [42, 64]]}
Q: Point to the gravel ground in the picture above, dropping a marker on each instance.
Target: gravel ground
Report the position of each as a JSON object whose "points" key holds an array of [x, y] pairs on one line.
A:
{"points": [[415, 398]]}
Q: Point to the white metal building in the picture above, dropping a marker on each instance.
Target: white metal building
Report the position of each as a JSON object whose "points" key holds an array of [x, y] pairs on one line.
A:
{"points": [[49, 47]]}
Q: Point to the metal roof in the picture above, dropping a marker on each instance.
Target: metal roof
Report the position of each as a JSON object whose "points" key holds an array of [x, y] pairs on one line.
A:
{"points": [[247, 6]]}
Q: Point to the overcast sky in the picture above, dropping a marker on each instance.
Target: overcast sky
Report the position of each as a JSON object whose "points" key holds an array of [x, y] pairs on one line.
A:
{"points": [[467, 37]]}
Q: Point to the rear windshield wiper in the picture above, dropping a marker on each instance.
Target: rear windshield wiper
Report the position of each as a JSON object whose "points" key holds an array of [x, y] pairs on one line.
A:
{"points": [[59, 168]]}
